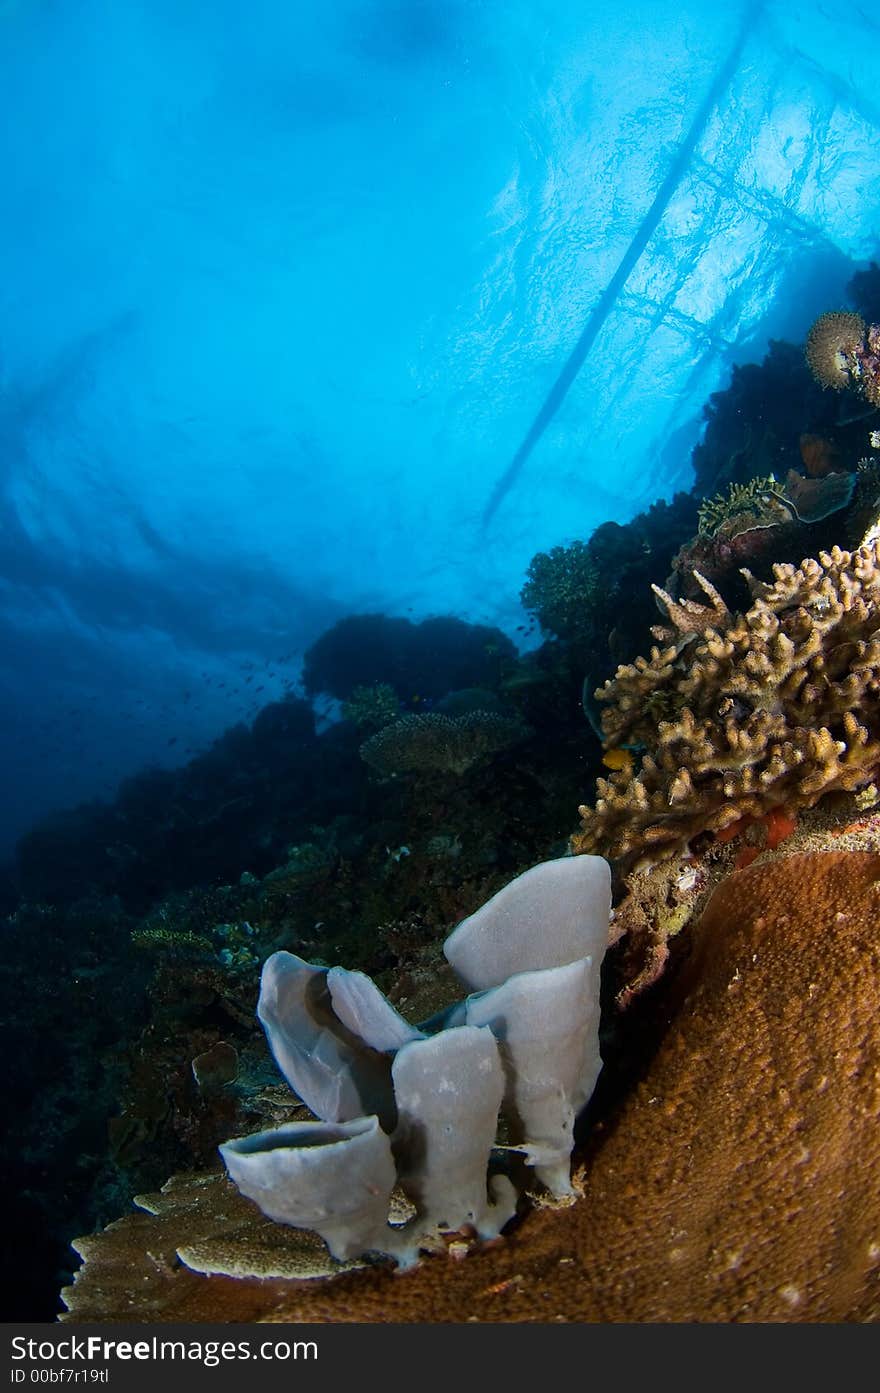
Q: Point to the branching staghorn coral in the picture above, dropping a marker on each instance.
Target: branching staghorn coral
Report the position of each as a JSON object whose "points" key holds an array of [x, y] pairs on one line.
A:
{"points": [[774, 707], [447, 744]]}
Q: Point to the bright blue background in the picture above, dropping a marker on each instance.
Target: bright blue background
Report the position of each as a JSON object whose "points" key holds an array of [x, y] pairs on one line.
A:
{"points": [[284, 286]]}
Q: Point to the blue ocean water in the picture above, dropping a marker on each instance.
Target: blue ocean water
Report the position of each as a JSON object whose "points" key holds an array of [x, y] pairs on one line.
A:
{"points": [[290, 302]]}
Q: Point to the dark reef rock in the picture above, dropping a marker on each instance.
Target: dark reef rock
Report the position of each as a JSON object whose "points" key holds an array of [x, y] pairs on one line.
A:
{"points": [[424, 660]]}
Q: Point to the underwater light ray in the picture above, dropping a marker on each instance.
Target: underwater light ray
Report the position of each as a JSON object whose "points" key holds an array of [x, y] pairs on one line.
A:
{"points": [[646, 229]]}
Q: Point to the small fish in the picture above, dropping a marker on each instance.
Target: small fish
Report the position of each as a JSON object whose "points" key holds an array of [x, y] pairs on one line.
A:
{"points": [[619, 759]]}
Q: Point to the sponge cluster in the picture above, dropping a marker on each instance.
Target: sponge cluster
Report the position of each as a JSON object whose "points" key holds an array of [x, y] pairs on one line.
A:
{"points": [[416, 1108]]}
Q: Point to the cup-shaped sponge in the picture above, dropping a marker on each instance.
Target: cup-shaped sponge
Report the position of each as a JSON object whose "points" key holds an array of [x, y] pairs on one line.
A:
{"points": [[449, 1089], [333, 1177], [332, 1069], [361, 1008], [552, 914], [547, 1027], [420, 1104]]}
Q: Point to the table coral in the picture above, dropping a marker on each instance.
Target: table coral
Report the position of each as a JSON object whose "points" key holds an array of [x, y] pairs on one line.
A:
{"points": [[743, 713], [738, 1181]]}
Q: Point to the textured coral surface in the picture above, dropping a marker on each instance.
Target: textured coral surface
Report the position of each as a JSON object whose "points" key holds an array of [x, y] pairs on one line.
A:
{"points": [[832, 346], [739, 1181], [450, 744]]}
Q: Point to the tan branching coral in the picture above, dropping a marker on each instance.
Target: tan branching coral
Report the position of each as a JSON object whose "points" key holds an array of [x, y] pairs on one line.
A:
{"points": [[772, 708], [688, 616], [448, 744]]}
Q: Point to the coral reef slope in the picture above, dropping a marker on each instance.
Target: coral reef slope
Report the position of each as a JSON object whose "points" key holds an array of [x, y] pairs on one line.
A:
{"points": [[738, 1181]]}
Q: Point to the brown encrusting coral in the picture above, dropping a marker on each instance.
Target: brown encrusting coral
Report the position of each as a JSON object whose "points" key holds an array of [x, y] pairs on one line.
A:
{"points": [[744, 713], [739, 1180]]}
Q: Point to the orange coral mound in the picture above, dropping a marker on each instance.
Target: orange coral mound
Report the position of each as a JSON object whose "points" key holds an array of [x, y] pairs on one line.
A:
{"points": [[740, 1180], [777, 825], [780, 825]]}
